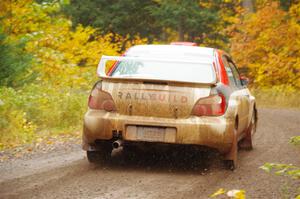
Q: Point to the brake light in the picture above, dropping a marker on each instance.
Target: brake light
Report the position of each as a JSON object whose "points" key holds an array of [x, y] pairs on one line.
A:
{"points": [[213, 105], [100, 99]]}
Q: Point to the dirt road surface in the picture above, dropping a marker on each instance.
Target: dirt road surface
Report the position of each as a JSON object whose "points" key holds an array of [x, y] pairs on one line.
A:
{"points": [[67, 173]]}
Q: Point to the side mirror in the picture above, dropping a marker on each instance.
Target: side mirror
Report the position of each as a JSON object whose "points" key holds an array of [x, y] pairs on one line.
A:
{"points": [[244, 80]]}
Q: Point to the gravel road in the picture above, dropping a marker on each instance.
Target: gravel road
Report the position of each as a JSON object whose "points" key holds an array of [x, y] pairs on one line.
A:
{"points": [[67, 174]]}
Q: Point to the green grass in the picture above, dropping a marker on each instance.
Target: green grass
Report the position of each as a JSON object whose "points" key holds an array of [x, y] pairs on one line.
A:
{"points": [[38, 110], [277, 98]]}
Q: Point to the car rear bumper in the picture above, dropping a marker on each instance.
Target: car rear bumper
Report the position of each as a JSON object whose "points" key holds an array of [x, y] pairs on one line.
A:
{"points": [[214, 132]]}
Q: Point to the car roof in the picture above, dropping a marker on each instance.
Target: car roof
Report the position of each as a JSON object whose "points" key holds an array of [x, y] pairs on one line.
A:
{"points": [[171, 51]]}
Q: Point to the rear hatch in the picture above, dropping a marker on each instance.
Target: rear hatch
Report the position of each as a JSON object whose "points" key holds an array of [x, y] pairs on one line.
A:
{"points": [[158, 81], [153, 98]]}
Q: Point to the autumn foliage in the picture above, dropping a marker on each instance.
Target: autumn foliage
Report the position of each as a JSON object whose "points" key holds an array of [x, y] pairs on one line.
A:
{"points": [[268, 44], [48, 62], [50, 88]]}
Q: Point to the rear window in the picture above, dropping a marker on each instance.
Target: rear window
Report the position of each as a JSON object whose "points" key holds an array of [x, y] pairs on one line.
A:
{"points": [[160, 69]]}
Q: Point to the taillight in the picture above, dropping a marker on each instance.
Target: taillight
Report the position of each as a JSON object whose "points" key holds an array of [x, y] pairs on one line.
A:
{"points": [[100, 99], [213, 105]]}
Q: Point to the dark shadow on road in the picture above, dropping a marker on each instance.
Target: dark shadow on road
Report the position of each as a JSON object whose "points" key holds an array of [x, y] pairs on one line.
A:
{"points": [[179, 160]]}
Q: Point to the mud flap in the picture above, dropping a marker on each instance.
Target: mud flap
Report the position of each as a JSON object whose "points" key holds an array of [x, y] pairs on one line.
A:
{"points": [[247, 142], [230, 158]]}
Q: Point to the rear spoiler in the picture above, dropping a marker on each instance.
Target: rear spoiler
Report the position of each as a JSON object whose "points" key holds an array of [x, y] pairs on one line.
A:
{"points": [[102, 73]]}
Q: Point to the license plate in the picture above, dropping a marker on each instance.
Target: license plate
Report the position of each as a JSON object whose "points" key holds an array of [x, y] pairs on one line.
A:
{"points": [[154, 134]]}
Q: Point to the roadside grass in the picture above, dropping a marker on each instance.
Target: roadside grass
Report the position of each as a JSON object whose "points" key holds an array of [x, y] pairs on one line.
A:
{"points": [[39, 112], [277, 97]]}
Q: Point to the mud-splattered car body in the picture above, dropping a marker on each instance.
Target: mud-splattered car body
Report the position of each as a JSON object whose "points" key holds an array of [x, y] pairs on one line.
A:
{"points": [[128, 107]]}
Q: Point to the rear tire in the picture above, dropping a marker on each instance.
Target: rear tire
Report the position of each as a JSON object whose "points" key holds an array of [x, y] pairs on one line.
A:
{"points": [[102, 154], [230, 165]]}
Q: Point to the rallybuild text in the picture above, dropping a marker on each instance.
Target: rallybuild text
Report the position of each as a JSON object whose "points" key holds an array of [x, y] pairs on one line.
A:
{"points": [[159, 97]]}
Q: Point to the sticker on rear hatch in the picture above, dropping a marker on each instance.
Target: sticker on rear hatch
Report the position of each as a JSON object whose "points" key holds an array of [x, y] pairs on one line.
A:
{"points": [[161, 97]]}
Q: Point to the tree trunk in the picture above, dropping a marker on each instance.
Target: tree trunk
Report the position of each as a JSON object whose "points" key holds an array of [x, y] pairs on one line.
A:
{"points": [[164, 34], [180, 30]]}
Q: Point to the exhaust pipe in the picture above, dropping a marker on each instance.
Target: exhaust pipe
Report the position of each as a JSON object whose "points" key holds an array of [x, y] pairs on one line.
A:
{"points": [[116, 144]]}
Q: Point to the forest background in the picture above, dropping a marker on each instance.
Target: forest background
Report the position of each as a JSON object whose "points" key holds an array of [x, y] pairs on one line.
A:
{"points": [[49, 51]]}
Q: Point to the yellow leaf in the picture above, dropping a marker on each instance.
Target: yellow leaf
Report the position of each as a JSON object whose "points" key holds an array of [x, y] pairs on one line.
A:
{"points": [[236, 194], [217, 193], [49, 142]]}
